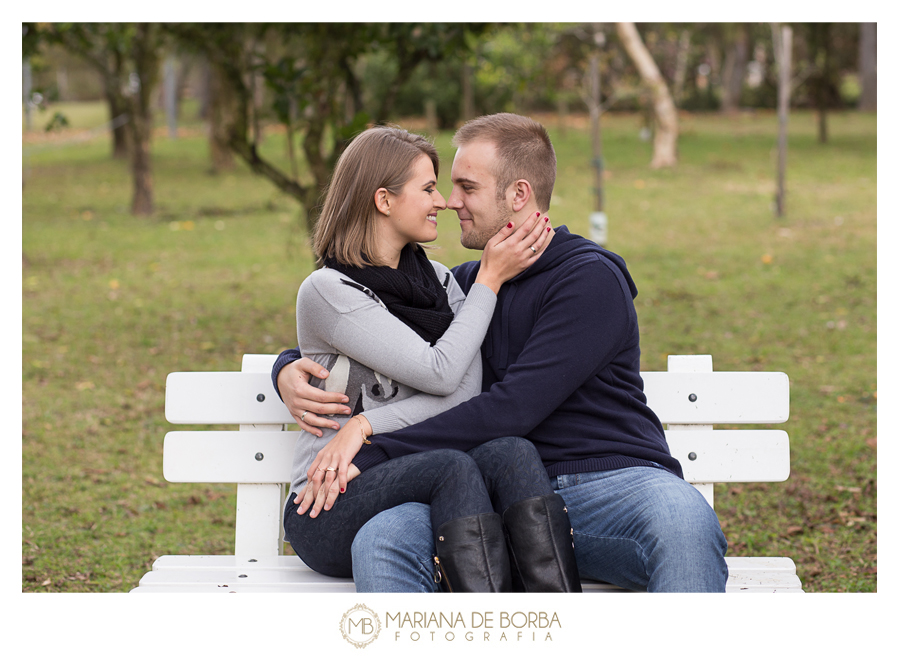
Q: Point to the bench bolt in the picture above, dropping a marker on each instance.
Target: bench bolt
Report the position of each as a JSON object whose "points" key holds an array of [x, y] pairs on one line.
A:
{"points": [[260, 397], [692, 397], [259, 456], [692, 456]]}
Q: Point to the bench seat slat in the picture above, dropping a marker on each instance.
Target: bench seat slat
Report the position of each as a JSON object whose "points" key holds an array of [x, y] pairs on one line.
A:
{"points": [[721, 397], [287, 573], [301, 576], [193, 588], [736, 565], [223, 456]]}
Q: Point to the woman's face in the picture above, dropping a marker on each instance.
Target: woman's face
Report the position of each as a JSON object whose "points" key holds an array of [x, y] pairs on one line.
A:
{"points": [[414, 211]]}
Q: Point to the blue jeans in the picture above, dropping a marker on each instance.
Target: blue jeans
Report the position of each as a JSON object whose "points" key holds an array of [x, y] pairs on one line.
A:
{"points": [[640, 528]]}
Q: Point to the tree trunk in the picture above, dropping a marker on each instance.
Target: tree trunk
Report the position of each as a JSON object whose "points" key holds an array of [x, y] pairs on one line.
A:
{"points": [[681, 64], [141, 170], [665, 142], [118, 105], [468, 100], [820, 82], [734, 70], [146, 61], [220, 110], [867, 69], [205, 88]]}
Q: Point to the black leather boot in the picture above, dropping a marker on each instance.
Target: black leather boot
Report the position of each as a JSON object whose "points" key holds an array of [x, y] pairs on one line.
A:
{"points": [[540, 545], [471, 555]]}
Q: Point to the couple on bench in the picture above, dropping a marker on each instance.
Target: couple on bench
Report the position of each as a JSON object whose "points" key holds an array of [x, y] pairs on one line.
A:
{"points": [[482, 429]]}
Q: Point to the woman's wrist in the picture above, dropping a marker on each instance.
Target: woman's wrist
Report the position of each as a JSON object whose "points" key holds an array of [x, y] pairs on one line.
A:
{"points": [[365, 428], [487, 279]]}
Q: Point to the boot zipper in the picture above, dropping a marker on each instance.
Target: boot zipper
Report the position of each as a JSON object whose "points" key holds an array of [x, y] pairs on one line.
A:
{"points": [[439, 574]]}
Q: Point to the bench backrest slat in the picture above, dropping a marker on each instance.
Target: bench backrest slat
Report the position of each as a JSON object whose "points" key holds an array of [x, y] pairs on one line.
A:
{"points": [[732, 455], [266, 457], [718, 397], [238, 398], [223, 456]]}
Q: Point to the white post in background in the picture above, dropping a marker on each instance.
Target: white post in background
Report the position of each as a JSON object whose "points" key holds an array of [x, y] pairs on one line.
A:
{"points": [[26, 91], [170, 77], [598, 221], [782, 40]]}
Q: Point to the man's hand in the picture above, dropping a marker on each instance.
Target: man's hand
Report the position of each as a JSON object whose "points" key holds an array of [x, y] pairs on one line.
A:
{"points": [[307, 403]]}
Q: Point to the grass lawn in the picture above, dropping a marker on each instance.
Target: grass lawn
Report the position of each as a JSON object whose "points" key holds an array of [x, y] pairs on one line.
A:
{"points": [[112, 303]]}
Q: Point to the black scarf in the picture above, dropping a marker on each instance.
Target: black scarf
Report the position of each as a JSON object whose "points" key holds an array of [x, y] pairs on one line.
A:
{"points": [[412, 292]]}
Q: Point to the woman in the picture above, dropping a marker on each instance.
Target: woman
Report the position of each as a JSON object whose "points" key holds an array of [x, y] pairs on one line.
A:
{"points": [[403, 343]]}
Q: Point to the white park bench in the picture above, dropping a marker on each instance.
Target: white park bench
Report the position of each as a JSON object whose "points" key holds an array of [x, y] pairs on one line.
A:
{"points": [[689, 399]]}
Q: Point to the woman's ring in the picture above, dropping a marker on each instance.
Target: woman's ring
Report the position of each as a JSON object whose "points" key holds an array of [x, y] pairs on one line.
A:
{"points": [[330, 469], [533, 250], [303, 415]]}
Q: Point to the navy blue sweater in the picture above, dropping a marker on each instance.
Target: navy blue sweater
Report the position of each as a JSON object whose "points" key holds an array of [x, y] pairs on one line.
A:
{"points": [[561, 368]]}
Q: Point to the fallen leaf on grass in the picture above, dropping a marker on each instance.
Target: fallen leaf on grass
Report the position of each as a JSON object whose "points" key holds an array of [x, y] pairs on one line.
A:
{"points": [[79, 576]]}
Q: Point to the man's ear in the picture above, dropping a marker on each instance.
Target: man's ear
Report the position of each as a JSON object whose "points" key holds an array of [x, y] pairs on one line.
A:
{"points": [[522, 194], [383, 201]]}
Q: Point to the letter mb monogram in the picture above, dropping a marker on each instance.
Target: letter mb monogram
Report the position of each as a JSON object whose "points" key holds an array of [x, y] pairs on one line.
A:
{"points": [[360, 626]]}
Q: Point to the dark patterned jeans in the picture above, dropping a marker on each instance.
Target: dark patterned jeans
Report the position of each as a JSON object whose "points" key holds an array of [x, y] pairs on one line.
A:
{"points": [[455, 484]]}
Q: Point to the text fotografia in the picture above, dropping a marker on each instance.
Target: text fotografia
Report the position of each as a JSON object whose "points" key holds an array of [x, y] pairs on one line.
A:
{"points": [[476, 627]]}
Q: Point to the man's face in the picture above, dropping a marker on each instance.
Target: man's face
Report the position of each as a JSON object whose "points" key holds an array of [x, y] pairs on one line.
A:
{"points": [[474, 195]]}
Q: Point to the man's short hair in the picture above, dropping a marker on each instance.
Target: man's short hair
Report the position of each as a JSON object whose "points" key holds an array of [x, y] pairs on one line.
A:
{"points": [[524, 151]]}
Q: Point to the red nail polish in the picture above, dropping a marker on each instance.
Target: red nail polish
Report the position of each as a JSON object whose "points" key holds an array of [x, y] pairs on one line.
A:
{"points": [[546, 219], [548, 229], [509, 225], [342, 491]]}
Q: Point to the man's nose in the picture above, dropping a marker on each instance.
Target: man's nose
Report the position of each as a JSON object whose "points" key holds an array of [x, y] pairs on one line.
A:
{"points": [[455, 200]]}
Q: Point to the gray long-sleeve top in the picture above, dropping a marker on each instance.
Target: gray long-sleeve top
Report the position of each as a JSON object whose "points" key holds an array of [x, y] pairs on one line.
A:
{"points": [[389, 373]]}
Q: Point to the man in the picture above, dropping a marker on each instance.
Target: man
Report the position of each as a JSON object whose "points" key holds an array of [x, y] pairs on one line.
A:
{"points": [[561, 368]]}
